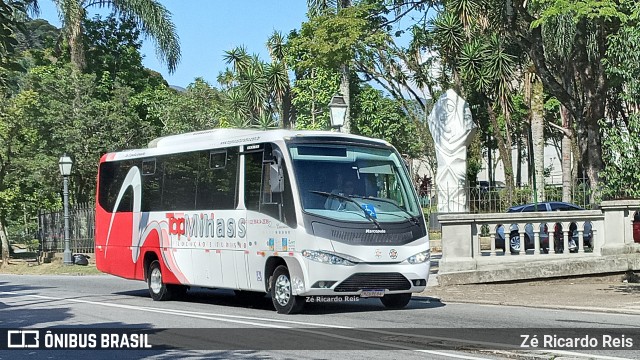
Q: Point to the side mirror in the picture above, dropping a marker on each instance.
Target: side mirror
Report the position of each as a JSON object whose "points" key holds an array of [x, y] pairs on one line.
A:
{"points": [[276, 178]]}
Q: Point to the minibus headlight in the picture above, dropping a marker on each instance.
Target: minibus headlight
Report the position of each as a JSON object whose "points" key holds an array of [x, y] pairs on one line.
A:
{"points": [[328, 258], [420, 257]]}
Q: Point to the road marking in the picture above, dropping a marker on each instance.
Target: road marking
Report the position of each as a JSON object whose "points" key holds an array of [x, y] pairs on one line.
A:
{"points": [[582, 355], [624, 311], [266, 319], [147, 309], [441, 353], [190, 313]]}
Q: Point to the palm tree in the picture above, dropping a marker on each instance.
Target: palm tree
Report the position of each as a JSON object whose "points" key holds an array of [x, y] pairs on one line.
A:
{"points": [[478, 59], [536, 98], [149, 15], [277, 74], [254, 86], [238, 58]]}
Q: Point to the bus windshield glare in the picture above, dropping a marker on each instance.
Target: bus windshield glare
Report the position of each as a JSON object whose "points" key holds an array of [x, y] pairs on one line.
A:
{"points": [[353, 183]]}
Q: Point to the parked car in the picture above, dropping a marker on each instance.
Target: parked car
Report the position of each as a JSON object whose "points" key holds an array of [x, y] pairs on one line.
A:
{"points": [[484, 185], [514, 238]]}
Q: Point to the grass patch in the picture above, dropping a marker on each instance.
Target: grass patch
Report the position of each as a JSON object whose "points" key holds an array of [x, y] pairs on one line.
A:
{"points": [[55, 267]]}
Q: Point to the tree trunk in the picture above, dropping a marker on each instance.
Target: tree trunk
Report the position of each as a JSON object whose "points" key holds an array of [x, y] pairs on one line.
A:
{"points": [[74, 27], [590, 145], [286, 108], [587, 78], [490, 162], [345, 81], [345, 91], [5, 245], [504, 148], [537, 136], [567, 174], [519, 163]]}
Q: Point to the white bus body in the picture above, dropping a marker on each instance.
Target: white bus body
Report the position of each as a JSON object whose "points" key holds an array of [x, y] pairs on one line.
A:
{"points": [[249, 210]]}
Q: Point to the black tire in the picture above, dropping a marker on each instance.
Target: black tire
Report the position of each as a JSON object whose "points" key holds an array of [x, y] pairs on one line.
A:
{"points": [[158, 290], [281, 293], [396, 301]]}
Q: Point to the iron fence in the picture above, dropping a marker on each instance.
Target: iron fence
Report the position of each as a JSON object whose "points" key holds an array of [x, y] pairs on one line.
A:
{"points": [[499, 199], [81, 229], [488, 199]]}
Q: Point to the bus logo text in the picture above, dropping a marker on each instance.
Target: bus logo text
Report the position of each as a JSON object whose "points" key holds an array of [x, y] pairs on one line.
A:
{"points": [[206, 225]]}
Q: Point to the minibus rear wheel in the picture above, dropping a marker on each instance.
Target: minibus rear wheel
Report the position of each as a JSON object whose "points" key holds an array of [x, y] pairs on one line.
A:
{"points": [[281, 292], [158, 290], [396, 301]]}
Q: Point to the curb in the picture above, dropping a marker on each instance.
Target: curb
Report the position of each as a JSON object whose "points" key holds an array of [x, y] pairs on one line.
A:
{"points": [[551, 307]]}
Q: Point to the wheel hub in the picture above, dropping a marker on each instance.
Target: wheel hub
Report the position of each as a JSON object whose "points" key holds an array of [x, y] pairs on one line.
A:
{"points": [[283, 290], [155, 280], [515, 243]]}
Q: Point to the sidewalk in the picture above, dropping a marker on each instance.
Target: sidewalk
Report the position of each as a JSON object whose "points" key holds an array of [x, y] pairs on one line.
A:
{"points": [[602, 293]]}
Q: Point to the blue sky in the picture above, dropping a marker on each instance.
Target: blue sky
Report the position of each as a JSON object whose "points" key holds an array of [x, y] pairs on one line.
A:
{"points": [[207, 28]]}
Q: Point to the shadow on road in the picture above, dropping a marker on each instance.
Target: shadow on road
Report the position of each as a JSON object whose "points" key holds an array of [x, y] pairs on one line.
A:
{"points": [[631, 289], [227, 298]]}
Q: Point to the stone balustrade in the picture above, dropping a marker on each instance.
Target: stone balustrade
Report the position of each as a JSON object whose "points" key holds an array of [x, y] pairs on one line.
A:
{"points": [[603, 238]]}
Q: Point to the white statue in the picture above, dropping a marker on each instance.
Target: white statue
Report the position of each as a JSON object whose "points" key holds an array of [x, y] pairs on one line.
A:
{"points": [[452, 130]]}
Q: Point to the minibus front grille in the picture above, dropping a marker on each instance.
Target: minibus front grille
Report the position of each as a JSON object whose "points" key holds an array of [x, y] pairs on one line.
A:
{"points": [[362, 238], [389, 281]]}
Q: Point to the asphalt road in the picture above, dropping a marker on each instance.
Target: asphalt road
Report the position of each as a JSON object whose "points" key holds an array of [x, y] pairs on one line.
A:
{"points": [[363, 328]]}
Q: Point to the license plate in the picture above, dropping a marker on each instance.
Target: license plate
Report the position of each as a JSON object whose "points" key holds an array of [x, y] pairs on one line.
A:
{"points": [[372, 293]]}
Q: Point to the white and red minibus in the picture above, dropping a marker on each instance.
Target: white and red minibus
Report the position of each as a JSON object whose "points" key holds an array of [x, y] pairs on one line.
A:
{"points": [[263, 212]]}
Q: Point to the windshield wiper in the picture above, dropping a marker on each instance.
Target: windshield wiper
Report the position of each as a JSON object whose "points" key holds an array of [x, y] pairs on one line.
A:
{"points": [[366, 214], [413, 220]]}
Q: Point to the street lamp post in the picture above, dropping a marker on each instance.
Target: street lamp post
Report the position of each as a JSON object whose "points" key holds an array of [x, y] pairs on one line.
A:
{"points": [[338, 111], [65, 164]]}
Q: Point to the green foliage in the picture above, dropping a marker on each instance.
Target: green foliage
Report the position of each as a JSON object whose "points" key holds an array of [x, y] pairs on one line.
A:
{"points": [[173, 112], [621, 134], [311, 96], [149, 16], [254, 92], [112, 47], [585, 9], [27, 172], [381, 117], [10, 22], [623, 61], [334, 39], [621, 152], [76, 121], [474, 159]]}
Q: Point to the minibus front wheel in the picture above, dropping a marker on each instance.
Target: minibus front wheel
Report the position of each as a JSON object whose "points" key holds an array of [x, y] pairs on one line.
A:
{"points": [[281, 292]]}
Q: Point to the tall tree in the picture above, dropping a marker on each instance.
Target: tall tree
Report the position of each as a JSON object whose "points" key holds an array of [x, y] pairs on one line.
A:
{"points": [[277, 74], [536, 105], [331, 7], [481, 62], [10, 21], [583, 93], [581, 83], [151, 17]]}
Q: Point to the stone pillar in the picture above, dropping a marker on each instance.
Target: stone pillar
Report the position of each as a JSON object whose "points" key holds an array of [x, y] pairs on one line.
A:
{"points": [[618, 226], [452, 130], [458, 233]]}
